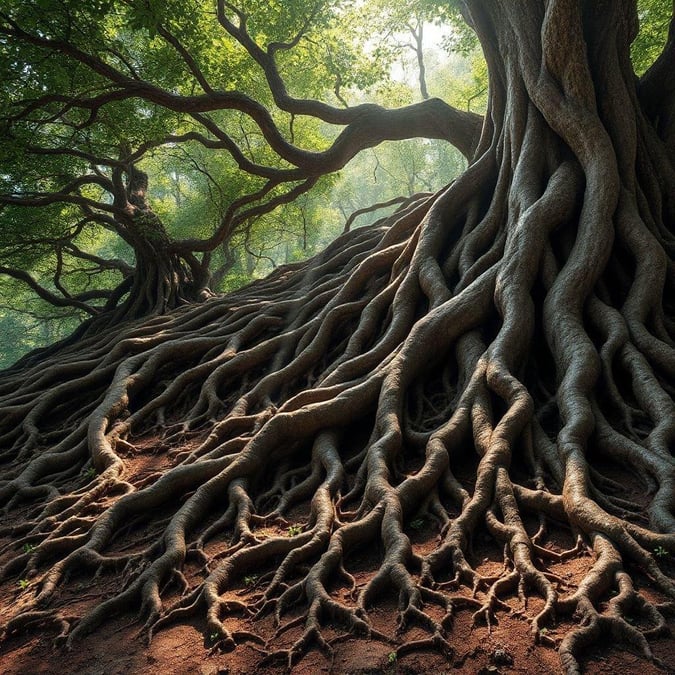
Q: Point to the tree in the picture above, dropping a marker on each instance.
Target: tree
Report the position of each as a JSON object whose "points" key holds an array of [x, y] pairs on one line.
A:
{"points": [[85, 126], [518, 322]]}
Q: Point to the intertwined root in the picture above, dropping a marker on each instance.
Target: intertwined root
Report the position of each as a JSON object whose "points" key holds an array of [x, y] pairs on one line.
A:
{"points": [[482, 361], [303, 379]]}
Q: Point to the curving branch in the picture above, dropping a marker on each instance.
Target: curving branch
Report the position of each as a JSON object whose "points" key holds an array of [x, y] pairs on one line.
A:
{"points": [[375, 207], [462, 129], [367, 124], [104, 263], [66, 300]]}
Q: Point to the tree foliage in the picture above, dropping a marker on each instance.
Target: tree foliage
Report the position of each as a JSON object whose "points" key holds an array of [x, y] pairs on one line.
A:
{"points": [[217, 105]]}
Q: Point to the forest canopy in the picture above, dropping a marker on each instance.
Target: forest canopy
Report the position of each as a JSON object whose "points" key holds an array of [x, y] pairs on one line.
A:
{"points": [[239, 118]]}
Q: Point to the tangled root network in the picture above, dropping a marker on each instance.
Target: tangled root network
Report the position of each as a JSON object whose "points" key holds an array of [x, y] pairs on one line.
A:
{"points": [[496, 358]]}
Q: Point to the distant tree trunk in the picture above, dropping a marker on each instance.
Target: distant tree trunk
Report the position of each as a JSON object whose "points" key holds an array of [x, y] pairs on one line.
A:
{"points": [[161, 280], [417, 32]]}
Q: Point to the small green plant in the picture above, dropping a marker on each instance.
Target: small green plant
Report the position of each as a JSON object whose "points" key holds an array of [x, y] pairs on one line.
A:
{"points": [[89, 473], [250, 580], [27, 548], [294, 529], [392, 658], [214, 637], [660, 552], [417, 524], [23, 584], [543, 631]]}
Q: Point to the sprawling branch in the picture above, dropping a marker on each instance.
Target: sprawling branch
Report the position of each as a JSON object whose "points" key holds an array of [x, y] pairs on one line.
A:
{"points": [[462, 129], [104, 263], [44, 293], [367, 125], [371, 209]]}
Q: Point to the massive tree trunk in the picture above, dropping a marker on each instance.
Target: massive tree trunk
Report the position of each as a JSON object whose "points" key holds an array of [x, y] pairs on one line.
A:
{"points": [[516, 322]]}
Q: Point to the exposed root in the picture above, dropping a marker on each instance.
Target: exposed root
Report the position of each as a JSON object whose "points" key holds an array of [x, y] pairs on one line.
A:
{"points": [[492, 361]]}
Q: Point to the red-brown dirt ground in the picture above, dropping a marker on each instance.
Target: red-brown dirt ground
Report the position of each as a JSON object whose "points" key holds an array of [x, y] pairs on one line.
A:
{"points": [[119, 648]]}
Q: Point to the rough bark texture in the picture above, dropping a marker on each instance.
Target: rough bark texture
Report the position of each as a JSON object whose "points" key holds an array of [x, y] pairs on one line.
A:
{"points": [[517, 321]]}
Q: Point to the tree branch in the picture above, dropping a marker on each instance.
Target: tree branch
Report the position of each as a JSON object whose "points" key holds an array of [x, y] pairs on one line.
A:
{"points": [[373, 207], [465, 125], [232, 218], [46, 294], [187, 57], [367, 124], [105, 263]]}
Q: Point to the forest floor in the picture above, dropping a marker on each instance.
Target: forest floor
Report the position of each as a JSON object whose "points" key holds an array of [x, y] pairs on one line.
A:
{"points": [[118, 648]]}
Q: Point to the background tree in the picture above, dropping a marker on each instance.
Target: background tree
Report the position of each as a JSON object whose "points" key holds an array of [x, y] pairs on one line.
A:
{"points": [[491, 357], [101, 156]]}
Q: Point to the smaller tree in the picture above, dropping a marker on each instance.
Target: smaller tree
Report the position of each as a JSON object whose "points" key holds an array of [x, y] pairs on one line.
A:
{"points": [[112, 105]]}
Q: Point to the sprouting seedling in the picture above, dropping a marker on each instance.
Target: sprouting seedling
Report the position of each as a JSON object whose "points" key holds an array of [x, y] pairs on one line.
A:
{"points": [[543, 631], [392, 656], [23, 584], [89, 473], [213, 637], [294, 529], [250, 580], [417, 524], [27, 548], [660, 552]]}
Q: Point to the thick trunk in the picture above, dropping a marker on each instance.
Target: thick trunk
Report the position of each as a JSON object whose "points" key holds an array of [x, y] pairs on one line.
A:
{"points": [[514, 323], [161, 279]]}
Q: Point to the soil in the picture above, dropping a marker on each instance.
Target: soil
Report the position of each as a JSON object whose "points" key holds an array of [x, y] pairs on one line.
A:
{"points": [[120, 648]]}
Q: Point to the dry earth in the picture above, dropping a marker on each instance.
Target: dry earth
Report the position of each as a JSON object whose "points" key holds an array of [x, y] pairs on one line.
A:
{"points": [[118, 648]]}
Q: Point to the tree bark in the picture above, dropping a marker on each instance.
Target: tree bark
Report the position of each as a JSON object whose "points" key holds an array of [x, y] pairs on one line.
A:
{"points": [[516, 323]]}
